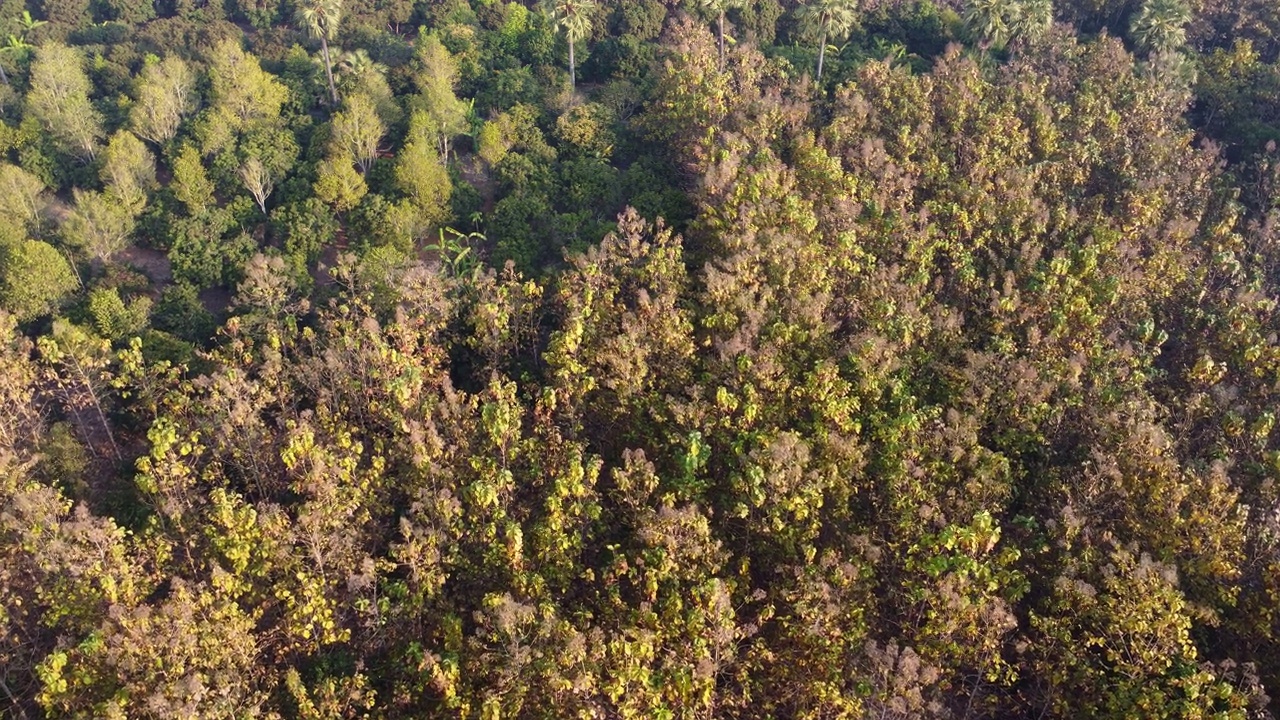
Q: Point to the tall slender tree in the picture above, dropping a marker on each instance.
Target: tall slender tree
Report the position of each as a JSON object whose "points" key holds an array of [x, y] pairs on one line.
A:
{"points": [[59, 100], [320, 19], [719, 8], [574, 17], [166, 94], [826, 20]]}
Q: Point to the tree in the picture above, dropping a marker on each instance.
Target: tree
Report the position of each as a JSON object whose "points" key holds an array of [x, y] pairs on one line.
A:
{"points": [[421, 175], [357, 130], [258, 181], [191, 184], [128, 170], [22, 198], [1031, 21], [34, 279], [320, 18], [359, 73], [59, 100], [166, 94], [79, 361], [18, 46], [826, 20], [99, 225], [338, 184], [241, 92], [1160, 25], [437, 110], [997, 23], [988, 20], [574, 18], [718, 8]]}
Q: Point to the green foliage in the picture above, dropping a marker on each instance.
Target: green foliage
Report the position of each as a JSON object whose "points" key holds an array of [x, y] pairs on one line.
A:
{"points": [[115, 320], [587, 129], [206, 251], [519, 227], [191, 183], [824, 20], [421, 175], [574, 19], [1159, 26], [180, 312], [166, 95], [999, 22], [34, 279], [22, 199], [376, 222], [305, 228], [99, 225], [59, 101], [128, 171], [357, 131], [437, 114], [339, 185]]}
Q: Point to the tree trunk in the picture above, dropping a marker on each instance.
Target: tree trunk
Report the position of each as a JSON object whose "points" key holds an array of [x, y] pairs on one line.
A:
{"points": [[3, 75], [573, 71], [721, 29], [86, 382], [822, 52], [328, 70]]}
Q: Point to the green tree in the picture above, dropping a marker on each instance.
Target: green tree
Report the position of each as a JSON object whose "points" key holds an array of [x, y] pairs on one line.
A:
{"points": [[438, 113], [22, 198], [989, 20], [166, 94], [98, 225], [79, 360], [59, 100], [996, 23], [338, 184], [574, 17], [320, 19], [1159, 26], [191, 183], [825, 20], [359, 73], [112, 318], [1032, 20], [34, 279], [241, 94], [357, 130], [421, 175], [128, 170]]}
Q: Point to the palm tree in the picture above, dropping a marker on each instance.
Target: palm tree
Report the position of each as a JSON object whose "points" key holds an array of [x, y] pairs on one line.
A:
{"points": [[574, 17], [1031, 20], [718, 8], [826, 19], [989, 21], [1160, 26], [358, 64], [320, 18]]}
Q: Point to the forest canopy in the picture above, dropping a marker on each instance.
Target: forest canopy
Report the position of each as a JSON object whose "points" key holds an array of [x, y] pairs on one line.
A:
{"points": [[640, 359]]}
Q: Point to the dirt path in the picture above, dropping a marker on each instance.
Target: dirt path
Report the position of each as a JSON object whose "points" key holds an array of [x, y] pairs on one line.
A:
{"points": [[474, 172], [150, 262]]}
